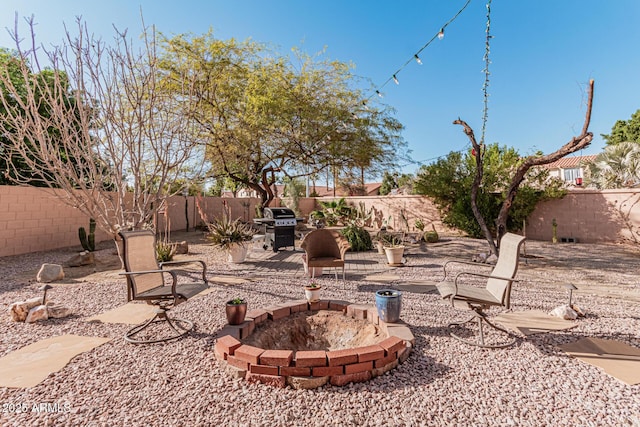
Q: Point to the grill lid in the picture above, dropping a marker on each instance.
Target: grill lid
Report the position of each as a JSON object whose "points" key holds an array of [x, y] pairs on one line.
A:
{"points": [[276, 213]]}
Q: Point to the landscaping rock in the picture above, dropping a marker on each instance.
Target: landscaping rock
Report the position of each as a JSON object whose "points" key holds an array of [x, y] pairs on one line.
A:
{"points": [[81, 259], [38, 312], [57, 311], [19, 310], [182, 247], [50, 273], [564, 312], [306, 383]]}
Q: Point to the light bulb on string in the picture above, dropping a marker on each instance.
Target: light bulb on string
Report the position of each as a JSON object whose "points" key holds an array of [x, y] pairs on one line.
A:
{"points": [[379, 94], [364, 104], [355, 116], [441, 34], [418, 60], [395, 79]]}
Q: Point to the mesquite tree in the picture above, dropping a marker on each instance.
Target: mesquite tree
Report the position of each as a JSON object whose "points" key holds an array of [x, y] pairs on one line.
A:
{"points": [[94, 121], [576, 143]]}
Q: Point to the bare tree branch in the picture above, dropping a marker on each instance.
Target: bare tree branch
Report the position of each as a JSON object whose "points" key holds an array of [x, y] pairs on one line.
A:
{"points": [[97, 119]]}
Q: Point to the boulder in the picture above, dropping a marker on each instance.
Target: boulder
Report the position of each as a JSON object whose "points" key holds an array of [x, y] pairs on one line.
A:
{"points": [[81, 259], [50, 273], [20, 309], [182, 247], [564, 312], [38, 312], [492, 259], [57, 311], [481, 257]]}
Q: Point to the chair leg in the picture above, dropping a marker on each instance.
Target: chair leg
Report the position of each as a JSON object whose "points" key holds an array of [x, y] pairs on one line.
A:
{"points": [[481, 318], [179, 326]]}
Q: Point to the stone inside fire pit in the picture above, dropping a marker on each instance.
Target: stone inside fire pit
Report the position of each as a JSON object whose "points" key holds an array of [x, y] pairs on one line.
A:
{"points": [[321, 330]]}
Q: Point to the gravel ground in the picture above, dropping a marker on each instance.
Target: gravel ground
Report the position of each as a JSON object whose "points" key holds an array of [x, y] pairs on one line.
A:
{"points": [[442, 383]]}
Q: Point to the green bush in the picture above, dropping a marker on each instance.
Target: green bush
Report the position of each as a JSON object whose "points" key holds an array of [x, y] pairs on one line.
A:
{"points": [[358, 237]]}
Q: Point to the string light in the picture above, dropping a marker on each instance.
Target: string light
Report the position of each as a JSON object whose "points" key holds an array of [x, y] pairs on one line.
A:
{"points": [[485, 85], [416, 57]]}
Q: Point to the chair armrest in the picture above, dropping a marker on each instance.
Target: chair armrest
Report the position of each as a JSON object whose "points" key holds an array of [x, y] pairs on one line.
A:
{"points": [[488, 276], [453, 261], [176, 263]]}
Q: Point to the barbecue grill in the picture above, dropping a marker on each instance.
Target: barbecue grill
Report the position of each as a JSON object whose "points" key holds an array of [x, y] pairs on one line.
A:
{"points": [[279, 228]]}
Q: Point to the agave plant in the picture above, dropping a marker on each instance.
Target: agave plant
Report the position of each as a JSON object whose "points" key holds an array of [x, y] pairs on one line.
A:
{"points": [[224, 233]]}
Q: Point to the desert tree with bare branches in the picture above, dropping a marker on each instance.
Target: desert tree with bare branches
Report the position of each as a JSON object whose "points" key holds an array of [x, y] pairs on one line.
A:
{"points": [[94, 121], [575, 144]]}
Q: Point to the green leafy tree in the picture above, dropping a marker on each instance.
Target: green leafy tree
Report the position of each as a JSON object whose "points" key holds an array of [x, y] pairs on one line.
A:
{"points": [[388, 183], [449, 180], [260, 114], [624, 131]]}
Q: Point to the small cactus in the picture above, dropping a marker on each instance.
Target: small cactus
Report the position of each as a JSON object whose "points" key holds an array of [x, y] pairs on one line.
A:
{"points": [[88, 242], [431, 236]]}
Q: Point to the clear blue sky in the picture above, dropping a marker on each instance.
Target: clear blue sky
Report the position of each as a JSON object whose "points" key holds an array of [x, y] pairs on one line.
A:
{"points": [[543, 54]]}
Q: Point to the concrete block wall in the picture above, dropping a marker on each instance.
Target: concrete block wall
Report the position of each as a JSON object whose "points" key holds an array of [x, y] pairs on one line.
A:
{"points": [[389, 209], [35, 219], [589, 216]]}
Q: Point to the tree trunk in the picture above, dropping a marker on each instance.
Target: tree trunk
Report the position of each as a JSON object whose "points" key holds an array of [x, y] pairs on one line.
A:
{"points": [[477, 180], [576, 143]]}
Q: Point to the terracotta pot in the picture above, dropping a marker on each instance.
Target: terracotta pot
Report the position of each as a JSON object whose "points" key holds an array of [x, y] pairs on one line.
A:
{"points": [[236, 312]]}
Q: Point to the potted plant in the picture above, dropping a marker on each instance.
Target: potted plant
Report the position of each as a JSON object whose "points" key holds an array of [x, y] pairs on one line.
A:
{"points": [[393, 249], [388, 304], [380, 239], [312, 292], [236, 309], [231, 236]]}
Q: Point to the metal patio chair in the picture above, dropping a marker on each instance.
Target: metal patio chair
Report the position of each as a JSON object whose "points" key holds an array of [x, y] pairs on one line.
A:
{"points": [[149, 281], [496, 293]]}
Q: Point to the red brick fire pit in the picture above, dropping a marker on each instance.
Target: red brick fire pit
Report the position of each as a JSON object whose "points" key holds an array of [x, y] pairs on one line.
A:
{"points": [[301, 366]]}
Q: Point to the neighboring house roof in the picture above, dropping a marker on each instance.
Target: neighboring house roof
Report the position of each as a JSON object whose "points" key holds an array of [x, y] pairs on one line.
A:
{"points": [[372, 189], [571, 162]]}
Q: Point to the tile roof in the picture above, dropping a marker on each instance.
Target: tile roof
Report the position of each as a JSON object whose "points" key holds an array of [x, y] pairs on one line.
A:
{"points": [[571, 162]]}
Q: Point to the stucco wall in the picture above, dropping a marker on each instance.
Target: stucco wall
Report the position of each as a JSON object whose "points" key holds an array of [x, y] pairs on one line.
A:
{"points": [[588, 216], [34, 219]]}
